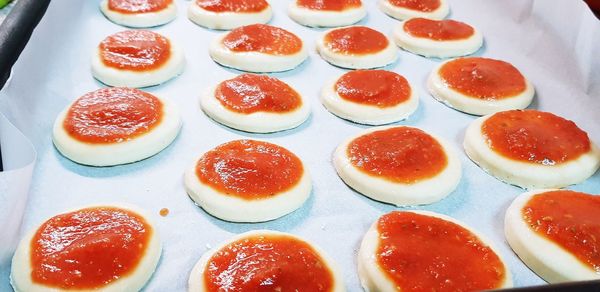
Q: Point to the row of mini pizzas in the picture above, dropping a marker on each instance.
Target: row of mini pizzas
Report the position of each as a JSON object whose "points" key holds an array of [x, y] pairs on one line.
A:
{"points": [[117, 248], [398, 164], [230, 14], [140, 58]]}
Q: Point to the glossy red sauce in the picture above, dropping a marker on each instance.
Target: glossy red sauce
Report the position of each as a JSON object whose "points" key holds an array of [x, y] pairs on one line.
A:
{"points": [[438, 30], [250, 169], [329, 5], [419, 5], [356, 40], [569, 219], [112, 115], [135, 50], [138, 6], [267, 263], [250, 93], [483, 78], [264, 39], [424, 253], [400, 154], [239, 6], [535, 136], [89, 248], [373, 87]]}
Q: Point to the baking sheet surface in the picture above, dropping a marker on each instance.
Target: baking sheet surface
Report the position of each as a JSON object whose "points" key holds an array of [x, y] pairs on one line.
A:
{"points": [[556, 47]]}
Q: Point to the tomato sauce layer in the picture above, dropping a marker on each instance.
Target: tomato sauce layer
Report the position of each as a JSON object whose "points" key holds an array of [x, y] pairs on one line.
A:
{"points": [[438, 30], [112, 115], [418, 5], [135, 50], [356, 40], [400, 154], [267, 263], [250, 93], [373, 87], [483, 78], [569, 219], [250, 169], [329, 5], [239, 6], [534, 136], [138, 6], [264, 39], [89, 248], [424, 253]]}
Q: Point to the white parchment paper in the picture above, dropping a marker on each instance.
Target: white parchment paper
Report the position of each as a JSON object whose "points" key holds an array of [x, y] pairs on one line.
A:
{"points": [[556, 44]]}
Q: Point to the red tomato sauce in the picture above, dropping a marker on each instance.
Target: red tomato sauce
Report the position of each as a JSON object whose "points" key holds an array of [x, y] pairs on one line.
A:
{"points": [[264, 39], [400, 154], [483, 78], [438, 30], [239, 6], [113, 115], [89, 248], [268, 263], [250, 93], [569, 219], [535, 137], [356, 40], [418, 5], [138, 6], [135, 50], [424, 253], [250, 169], [373, 87], [329, 5]]}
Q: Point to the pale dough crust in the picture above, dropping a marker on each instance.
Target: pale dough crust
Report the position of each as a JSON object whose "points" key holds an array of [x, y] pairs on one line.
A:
{"points": [[367, 114], [438, 49], [226, 20], [422, 192], [255, 61], [318, 18], [133, 150], [364, 61], [21, 269], [235, 209], [524, 174], [373, 278], [139, 20], [404, 13], [196, 281], [130, 78], [546, 258]]}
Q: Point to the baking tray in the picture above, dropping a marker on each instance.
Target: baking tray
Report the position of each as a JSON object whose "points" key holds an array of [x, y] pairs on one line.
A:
{"points": [[554, 52]]}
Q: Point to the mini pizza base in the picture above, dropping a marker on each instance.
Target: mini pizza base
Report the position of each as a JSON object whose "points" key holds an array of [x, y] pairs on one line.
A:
{"points": [[404, 13], [20, 277], [317, 18], [475, 106], [226, 20], [257, 122], [373, 278], [383, 58], [138, 148], [367, 114], [130, 78], [426, 191], [546, 258], [523, 174], [235, 209], [438, 49], [196, 280], [255, 62], [140, 20]]}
